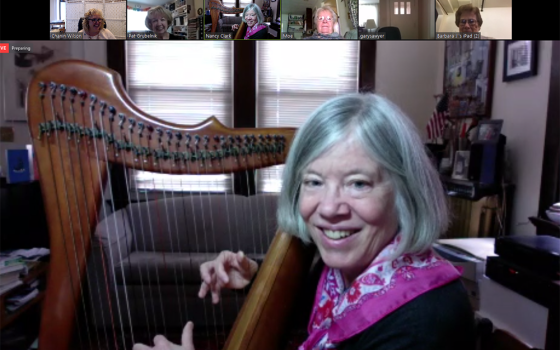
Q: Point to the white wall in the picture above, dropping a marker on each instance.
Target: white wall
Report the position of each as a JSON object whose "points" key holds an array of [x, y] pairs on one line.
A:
{"points": [[344, 22], [497, 23], [523, 104], [409, 74], [91, 51]]}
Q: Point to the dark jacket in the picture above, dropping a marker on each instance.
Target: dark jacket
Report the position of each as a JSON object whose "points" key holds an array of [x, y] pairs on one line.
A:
{"points": [[441, 319]]}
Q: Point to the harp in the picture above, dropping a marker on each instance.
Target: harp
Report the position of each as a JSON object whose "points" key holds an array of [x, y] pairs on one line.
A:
{"points": [[241, 31], [82, 123]]}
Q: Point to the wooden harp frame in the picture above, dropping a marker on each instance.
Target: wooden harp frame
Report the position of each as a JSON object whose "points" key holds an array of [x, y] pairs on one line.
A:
{"points": [[80, 120]]}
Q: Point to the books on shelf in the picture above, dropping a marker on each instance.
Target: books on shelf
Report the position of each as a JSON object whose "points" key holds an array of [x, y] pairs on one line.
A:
{"points": [[11, 273], [15, 302], [8, 287]]}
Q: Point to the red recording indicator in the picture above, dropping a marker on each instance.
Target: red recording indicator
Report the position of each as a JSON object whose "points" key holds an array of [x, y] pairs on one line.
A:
{"points": [[513, 272], [4, 48]]}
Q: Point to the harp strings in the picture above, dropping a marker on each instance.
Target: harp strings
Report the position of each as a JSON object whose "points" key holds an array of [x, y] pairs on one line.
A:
{"points": [[136, 231], [153, 245], [72, 150], [90, 172], [206, 246], [117, 230], [206, 165]]}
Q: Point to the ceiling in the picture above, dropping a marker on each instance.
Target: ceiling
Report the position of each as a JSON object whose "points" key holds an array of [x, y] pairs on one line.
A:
{"points": [[147, 3]]}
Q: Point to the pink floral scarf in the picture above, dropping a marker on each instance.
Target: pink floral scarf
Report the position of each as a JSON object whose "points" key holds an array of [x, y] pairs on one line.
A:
{"points": [[251, 31], [384, 287]]}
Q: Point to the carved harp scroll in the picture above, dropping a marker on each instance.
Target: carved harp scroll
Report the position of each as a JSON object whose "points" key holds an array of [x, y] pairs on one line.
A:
{"points": [[81, 121]]}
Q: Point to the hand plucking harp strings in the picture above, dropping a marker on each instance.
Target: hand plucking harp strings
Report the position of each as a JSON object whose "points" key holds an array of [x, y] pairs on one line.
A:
{"points": [[229, 270]]}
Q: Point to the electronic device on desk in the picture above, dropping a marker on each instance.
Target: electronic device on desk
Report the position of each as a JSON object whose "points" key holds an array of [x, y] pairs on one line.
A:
{"points": [[529, 266], [527, 269]]}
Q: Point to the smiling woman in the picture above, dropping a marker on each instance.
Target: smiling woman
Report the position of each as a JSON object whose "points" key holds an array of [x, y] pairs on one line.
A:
{"points": [[94, 26], [254, 28], [158, 21]]}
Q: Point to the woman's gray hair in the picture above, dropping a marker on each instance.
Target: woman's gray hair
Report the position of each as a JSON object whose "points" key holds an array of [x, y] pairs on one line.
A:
{"points": [[158, 9], [325, 8], [391, 140], [257, 9], [92, 12]]}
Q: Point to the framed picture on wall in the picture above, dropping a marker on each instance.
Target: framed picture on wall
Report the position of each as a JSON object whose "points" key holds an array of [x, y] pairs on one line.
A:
{"points": [[520, 59], [469, 77], [18, 68]]}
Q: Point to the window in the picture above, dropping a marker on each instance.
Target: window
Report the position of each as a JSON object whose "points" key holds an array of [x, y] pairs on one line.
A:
{"points": [[135, 21], [402, 8], [369, 11], [292, 82], [183, 83], [62, 10], [229, 3]]}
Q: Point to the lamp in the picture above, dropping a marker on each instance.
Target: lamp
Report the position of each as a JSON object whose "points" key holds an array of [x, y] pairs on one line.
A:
{"points": [[370, 24]]}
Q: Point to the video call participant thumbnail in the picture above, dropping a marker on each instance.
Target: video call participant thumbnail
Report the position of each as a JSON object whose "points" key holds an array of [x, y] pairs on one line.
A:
{"points": [[158, 20], [326, 23], [94, 26], [469, 19], [216, 9], [253, 26]]}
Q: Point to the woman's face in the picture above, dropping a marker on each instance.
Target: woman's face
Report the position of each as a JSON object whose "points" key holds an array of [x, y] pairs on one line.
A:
{"points": [[468, 23], [95, 22], [325, 22], [251, 18], [159, 23], [348, 206]]}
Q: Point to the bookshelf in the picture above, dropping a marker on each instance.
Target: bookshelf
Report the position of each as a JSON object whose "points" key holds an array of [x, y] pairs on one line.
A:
{"points": [[38, 271]]}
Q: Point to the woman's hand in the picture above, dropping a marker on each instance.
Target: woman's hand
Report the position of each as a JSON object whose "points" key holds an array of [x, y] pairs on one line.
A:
{"points": [[161, 342], [228, 270], [235, 27]]}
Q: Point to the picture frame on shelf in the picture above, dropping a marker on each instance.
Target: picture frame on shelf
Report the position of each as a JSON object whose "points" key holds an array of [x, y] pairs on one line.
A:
{"points": [[461, 165], [520, 59], [469, 77]]}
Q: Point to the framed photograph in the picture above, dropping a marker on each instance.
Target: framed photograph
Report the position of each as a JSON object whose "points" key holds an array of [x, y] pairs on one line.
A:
{"points": [[461, 165], [18, 68], [520, 59], [489, 131], [469, 77]]}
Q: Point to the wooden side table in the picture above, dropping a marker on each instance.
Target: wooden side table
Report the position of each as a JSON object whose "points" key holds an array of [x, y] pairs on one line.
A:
{"points": [[6, 318]]}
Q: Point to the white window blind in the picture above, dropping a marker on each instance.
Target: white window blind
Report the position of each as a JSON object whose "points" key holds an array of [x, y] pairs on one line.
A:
{"points": [[230, 4], [244, 3], [294, 79], [183, 83]]}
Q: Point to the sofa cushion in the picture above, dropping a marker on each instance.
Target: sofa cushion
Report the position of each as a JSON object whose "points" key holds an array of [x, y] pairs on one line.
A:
{"points": [[204, 224], [160, 268]]}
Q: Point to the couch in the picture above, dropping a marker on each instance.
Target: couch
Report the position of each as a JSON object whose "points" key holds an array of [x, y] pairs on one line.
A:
{"points": [[226, 22], [152, 252]]}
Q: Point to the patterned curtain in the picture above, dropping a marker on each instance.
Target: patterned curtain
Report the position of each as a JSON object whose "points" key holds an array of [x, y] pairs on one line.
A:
{"points": [[353, 8]]}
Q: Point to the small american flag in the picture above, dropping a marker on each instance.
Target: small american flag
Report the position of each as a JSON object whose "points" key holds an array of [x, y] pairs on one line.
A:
{"points": [[437, 121]]}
